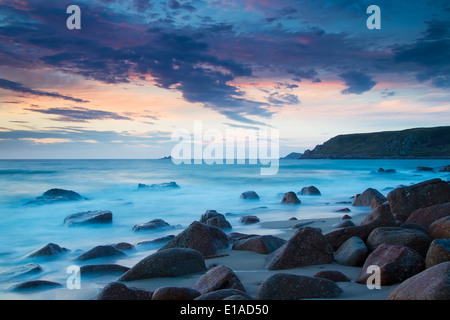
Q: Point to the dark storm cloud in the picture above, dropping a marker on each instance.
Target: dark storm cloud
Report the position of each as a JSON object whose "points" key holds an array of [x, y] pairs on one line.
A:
{"points": [[17, 87], [77, 114], [357, 82]]}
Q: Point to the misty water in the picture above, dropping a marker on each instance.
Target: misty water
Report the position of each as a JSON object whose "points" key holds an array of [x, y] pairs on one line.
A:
{"points": [[113, 185]]}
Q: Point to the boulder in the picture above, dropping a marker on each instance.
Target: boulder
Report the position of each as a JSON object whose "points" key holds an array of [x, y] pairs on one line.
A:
{"points": [[445, 169], [57, 195], [411, 238], [396, 263], [438, 252], [215, 219], [381, 216], [151, 225], [282, 286], [175, 293], [290, 198], [201, 237], [352, 252], [440, 229], [431, 284], [19, 271], [119, 291], [157, 241], [333, 275], [388, 171], [218, 278], [424, 169], [369, 198], [123, 246], [261, 244], [309, 191], [406, 200], [415, 226], [249, 219], [223, 294], [249, 195], [426, 216], [103, 269], [89, 217], [36, 284], [343, 224], [306, 247], [159, 187], [49, 250], [173, 262], [100, 252]]}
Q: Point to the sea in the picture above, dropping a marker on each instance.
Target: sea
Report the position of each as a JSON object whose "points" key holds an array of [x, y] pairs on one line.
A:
{"points": [[113, 185]]}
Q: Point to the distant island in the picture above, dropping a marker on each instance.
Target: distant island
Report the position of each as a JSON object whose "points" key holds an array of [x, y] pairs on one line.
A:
{"points": [[418, 143], [293, 155]]}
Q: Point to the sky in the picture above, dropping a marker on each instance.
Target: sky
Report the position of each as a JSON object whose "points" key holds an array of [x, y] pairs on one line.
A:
{"points": [[139, 70]]}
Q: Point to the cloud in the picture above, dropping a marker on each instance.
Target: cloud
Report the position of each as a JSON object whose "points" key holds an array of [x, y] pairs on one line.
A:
{"points": [[357, 82], [78, 114], [17, 87], [283, 99]]}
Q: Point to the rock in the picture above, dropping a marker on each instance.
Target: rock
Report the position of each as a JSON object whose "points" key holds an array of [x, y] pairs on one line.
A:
{"points": [[157, 241], [218, 278], [151, 225], [440, 229], [201, 237], [100, 252], [310, 191], [445, 169], [424, 194], [175, 293], [426, 216], [431, 284], [49, 250], [416, 226], [343, 224], [57, 195], [353, 253], [19, 271], [119, 291], [438, 252], [173, 262], [103, 269], [290, 198], [396, 263], [223, 294], [369, 198], [235, 297], [249, 219], [306, 247], [215, 219], [261, 244], [90, 217], [346, 217], [159, 187], [424, 169], [343, 210], [381, 216], [282, 286], [381, 170], [36, 284], [123, 246], [335, 276], [249, 195], [411, 238]]}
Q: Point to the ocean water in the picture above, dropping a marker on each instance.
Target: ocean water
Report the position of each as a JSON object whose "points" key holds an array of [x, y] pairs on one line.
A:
{"points": [[112, 185]]}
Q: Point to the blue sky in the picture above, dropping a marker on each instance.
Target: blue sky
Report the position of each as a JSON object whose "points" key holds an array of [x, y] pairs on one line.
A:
{"points": [[138, 70]]}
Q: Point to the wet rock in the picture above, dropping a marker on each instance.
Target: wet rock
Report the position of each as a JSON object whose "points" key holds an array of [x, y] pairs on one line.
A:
{"points": [[353, 253], [36, 285], [175, 293], [282, 286], [201, 237], [396, 263], [215, 219], [172, 262], [306, 247], [249, 219], [218, 278], [424, 194], [310, 191], [424, 169], [290, 198], [333, 275], [261, 244], [57, 195], [438, 252], [90, 217], [159, 187], [103, 269], [100, 252], [369, 198], [426, 216], [119, 291], [123, 246], [152, 225], [223, 294], [440, 229], [249, 195], [343, 224], [49, 250], [157, 241], [431, 284], [19, 271], [445, 169]]}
